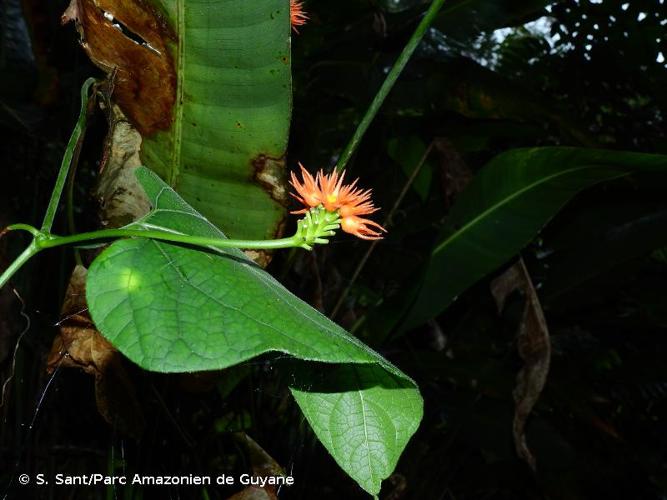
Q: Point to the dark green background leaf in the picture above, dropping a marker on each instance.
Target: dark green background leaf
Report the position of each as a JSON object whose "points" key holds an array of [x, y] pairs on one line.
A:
{"points": [[504, 207]]}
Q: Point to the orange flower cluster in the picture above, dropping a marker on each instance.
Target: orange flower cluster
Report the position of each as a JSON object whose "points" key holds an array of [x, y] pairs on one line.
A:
{"points": [[298, 16], [347, 200]]}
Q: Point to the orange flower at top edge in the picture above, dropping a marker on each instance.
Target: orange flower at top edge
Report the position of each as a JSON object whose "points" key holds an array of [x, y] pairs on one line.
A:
{"points": [[349, 201], [297, 15]]}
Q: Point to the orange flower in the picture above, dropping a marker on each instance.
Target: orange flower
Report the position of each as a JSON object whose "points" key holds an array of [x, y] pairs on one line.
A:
{"points": [[308, 191], [349, 201], [330, 187], [297, 15]]}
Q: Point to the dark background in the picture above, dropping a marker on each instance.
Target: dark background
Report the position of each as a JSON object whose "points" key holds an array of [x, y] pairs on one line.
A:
{"points": [[586, 74]]}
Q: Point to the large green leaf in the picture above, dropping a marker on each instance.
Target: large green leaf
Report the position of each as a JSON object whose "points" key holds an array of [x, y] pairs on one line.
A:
{"points": [[175, 309], [224, 151], [208, 86], [505, 206]]}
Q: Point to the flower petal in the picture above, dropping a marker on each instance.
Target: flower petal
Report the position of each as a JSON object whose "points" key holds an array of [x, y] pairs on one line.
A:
{"points": [[358, 227]]}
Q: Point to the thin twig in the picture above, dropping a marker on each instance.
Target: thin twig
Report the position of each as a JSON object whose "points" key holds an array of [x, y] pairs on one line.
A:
{"points": [[389, 82], [16, 349], [387, 223]]}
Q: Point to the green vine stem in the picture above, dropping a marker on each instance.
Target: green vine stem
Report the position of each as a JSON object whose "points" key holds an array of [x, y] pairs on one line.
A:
{"points": [[72, 151], [18, 263], [315, 227], [104, 234], [389, 82]]}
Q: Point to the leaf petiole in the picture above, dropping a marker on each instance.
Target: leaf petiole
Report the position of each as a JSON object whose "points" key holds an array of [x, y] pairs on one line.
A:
{"points": [[55, 241], [25, 227]]}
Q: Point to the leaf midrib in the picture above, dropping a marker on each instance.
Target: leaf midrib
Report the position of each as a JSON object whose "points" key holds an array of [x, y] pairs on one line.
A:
{"points": [[177, 130], [366, 443], [506, 201]]}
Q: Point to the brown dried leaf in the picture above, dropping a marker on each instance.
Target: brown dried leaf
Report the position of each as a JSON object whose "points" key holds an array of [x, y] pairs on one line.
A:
{"points": [[122, 199], [80, 345], [534, 347], [263, 465], [132, 40]]}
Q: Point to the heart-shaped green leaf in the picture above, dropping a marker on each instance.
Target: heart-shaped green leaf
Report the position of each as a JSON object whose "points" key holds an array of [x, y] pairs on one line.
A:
{"points": [[171, 308]]}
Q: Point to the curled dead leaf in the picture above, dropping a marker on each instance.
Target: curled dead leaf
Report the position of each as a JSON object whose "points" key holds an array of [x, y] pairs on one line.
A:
{"points": [[122, 200], [534, 347], [80, 345]]}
